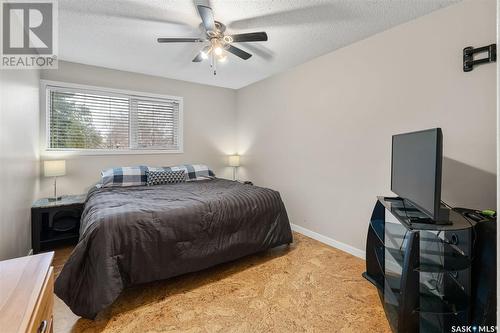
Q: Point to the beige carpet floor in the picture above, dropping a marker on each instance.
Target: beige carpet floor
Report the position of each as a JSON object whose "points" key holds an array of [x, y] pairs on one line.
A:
{"points": [[305, 287]]}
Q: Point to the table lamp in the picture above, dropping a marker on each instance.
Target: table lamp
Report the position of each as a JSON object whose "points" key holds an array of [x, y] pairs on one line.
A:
{"points": [[234, 161], [54, 169]]}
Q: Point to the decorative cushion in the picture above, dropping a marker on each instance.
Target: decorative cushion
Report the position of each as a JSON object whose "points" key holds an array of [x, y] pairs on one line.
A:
{"points": [[124, 176], [193, 171], [165, 177]]}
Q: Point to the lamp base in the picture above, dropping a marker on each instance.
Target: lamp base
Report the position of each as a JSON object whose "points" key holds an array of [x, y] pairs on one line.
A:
{"points": [[55, 199]]}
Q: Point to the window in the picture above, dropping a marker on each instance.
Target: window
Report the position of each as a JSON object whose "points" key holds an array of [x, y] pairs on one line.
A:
{"points": [[90, 119]]}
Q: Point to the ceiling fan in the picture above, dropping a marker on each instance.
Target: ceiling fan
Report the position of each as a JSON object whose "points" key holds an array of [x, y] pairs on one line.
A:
{"points": [[218, 43]]}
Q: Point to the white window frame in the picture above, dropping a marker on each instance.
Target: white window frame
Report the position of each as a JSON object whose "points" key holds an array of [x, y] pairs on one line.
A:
{"points": [[44, 101]]}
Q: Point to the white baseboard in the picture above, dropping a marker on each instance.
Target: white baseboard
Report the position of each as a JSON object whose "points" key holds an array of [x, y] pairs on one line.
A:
{"points": [[329, 241]]}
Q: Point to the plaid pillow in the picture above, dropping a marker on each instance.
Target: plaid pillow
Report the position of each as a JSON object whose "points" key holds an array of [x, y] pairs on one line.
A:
{"points": [[165, 177], [193, 171], [124, 176]]}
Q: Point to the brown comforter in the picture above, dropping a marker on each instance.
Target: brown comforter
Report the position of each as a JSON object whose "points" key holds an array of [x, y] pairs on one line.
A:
{"points": [[133, 235]]}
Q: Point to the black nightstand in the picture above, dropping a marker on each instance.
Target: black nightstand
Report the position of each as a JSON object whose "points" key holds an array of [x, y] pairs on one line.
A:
{"points": [[55, 223]]}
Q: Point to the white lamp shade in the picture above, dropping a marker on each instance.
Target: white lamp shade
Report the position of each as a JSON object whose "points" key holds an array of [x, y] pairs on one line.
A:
{"points": [[54, 168], [234, 160]]}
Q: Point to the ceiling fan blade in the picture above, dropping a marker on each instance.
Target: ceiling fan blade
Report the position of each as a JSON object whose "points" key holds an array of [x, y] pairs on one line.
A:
{"points": [[207, 16], [180, 40], [198, 57], [203, 54], [250, 37], [238, 52]]}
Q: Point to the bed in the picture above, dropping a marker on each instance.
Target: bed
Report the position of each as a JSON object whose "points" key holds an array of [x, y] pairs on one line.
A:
{"points": [[138, 234]]}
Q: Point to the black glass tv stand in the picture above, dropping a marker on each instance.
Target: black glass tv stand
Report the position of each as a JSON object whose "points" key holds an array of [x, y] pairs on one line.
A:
{"points": [[422, 271]]}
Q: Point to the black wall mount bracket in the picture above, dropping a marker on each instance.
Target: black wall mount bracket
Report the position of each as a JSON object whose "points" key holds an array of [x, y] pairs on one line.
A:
{"points": [[469, 52]]}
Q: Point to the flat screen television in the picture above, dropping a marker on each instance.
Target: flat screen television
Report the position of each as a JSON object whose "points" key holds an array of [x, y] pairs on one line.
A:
{"points": [[416, 169]]}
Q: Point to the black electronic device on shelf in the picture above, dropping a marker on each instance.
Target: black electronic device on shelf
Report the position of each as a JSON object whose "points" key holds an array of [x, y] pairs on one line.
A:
{"points": [[416, 165]]}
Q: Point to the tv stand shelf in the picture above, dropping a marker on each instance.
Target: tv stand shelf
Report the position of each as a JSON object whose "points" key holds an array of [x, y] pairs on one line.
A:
{"points": [[429, 302], [454, 261], [403, 211], [422, 271]]}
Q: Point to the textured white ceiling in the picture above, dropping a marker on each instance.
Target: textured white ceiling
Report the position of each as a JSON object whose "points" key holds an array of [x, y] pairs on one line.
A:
{"points": [[121, 34]]}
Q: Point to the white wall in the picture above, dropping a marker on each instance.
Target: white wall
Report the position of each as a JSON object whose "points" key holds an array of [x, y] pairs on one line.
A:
{"points": [[321, 132], [209, 125], [18, 159]]}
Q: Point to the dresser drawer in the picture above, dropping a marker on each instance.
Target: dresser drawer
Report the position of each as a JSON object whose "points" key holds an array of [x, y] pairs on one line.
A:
{"points": [[41, 320]]}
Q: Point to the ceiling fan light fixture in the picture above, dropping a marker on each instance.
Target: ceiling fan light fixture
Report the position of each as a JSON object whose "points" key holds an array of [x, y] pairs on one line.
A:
{"points": [[218, 50], [205, 52], [218, 45]]}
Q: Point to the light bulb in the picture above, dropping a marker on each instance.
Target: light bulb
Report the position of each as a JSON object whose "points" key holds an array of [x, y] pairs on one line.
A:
{"points": [[218, 50], [222, 58]]}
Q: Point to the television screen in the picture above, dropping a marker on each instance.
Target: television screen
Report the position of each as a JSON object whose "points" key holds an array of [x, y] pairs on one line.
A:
{"points": [[416, 169]]}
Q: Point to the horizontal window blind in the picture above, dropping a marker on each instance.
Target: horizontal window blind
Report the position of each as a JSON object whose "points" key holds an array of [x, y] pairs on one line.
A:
{"points": [[156, 124], [95, 120]]}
